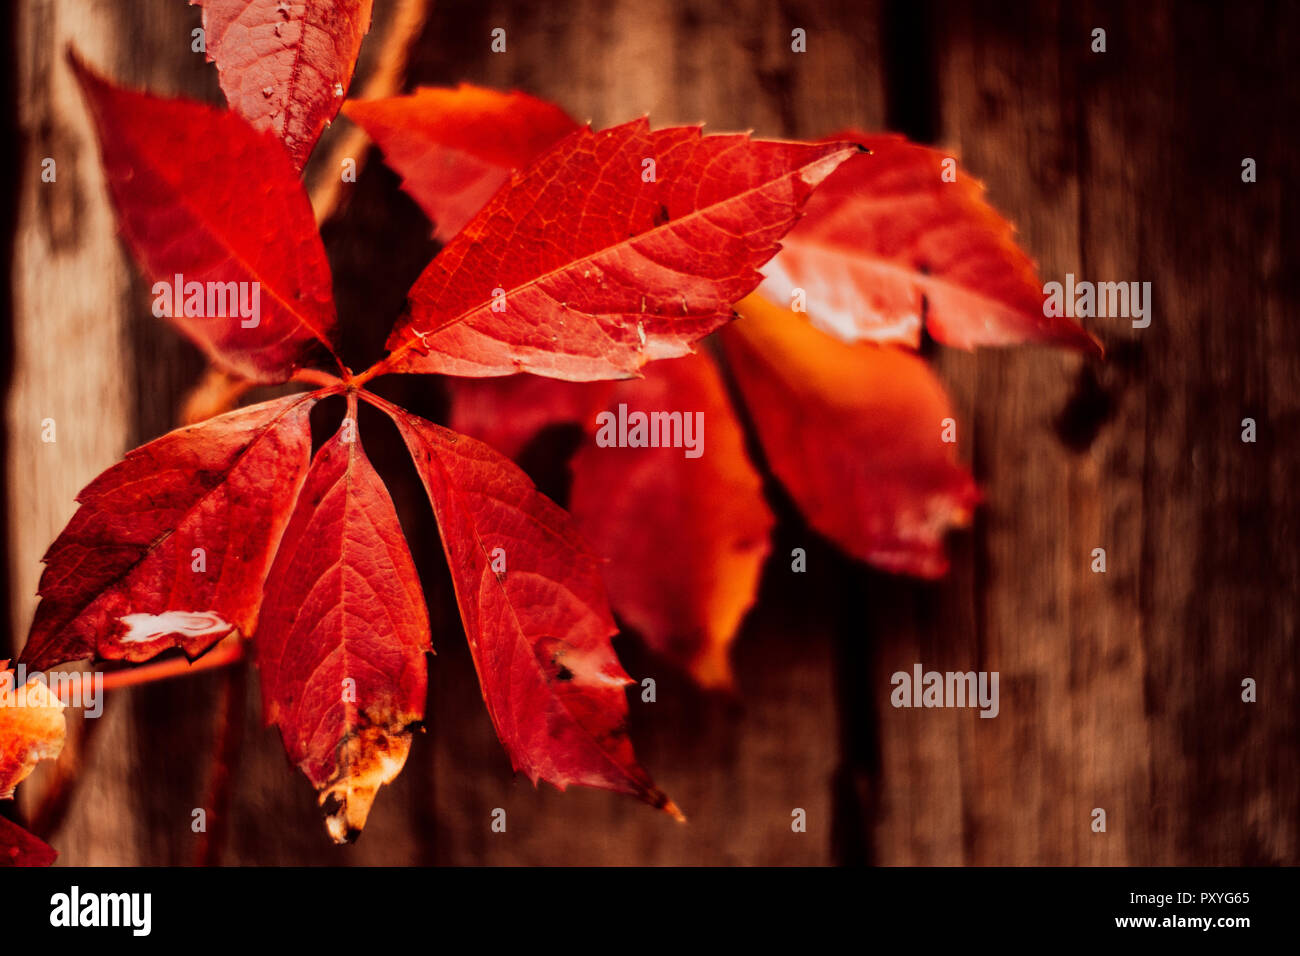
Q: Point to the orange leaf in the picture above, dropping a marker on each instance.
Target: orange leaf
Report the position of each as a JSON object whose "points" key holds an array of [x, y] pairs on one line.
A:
{"points": [[685, 537], [32, 728], [454, 148], [887, 239], [854, 432]]}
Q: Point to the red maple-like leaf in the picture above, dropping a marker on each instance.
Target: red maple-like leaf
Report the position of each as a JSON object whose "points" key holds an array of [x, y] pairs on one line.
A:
{"points": [[455, 147], [856, 434], [889, 237], [209, 203], [20, 848], [611, 249], [169, 547], [285, 65], [535, 615], [342, 639]]}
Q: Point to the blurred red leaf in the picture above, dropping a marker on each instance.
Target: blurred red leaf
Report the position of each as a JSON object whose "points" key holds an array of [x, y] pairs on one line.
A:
{"points": [[203, 196], [285, 66], [343, 635], [20, 848], [507, 412], [535, 615], [685, 537], [611, 249], [455, 147], [120, 582], [886, 233], [32, 728], [854, 432]]}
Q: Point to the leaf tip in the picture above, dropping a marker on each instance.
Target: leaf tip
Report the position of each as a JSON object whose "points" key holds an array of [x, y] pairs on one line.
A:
{"points": [[369, 759], [672, 810]]}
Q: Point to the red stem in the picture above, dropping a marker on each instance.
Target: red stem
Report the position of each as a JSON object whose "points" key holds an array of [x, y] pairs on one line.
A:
{"points": [[228, 651], [315, 376]]}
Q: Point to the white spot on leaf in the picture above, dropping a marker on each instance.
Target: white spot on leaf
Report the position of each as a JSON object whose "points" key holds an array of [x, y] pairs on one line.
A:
{"points": [[149, 627]]}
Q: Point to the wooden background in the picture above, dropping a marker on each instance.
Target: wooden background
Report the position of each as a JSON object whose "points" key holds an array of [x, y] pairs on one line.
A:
{"points": [[1119, 691]]}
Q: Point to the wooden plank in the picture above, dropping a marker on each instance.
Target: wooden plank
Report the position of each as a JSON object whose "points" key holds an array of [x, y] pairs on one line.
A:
{"points": [[80, 356], [1120, 690]]}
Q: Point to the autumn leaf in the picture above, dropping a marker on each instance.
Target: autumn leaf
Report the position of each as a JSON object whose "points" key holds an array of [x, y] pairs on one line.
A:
{"points": [[20, 848], [285, 65], [888, 238], [535, 616], [455, 147], [343, 635], [205, 201], [32, 729], [170, 547], [686, 536], [608, 251], [855, 434]]}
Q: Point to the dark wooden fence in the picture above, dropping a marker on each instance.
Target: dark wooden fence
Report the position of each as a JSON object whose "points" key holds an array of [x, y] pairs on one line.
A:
{"points": [[1119, 690]]}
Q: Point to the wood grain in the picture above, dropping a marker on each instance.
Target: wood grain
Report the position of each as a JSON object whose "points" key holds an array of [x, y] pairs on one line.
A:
{"points": [[1119, 690]]}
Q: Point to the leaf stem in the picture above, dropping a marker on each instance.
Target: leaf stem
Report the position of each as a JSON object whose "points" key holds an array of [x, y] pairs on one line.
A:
{"points": [[379, 368], [315, 376], [228, 651]]}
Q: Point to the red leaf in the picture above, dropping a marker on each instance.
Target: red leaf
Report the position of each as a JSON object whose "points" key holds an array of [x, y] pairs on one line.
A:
{"points": [[120, 581], [454, 148], [597, 271], [685, 537], [886, 239], [20, 848], [507, 412], [540, 630], [854, 432], [284, 66], [201, 195], [343, 602]]}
